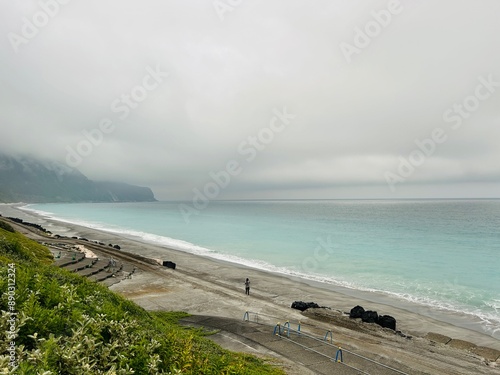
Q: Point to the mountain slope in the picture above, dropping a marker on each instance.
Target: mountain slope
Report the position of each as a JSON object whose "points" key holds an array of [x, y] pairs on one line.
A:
{"points": [[26, 179]]}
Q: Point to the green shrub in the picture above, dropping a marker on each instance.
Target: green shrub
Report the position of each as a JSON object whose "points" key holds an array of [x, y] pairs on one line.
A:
{"points": [[69, 325], [18, 247], [6, 226]]}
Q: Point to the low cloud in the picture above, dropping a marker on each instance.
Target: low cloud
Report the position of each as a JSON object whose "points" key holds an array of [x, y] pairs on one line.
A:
{"points": [[355, 120]]}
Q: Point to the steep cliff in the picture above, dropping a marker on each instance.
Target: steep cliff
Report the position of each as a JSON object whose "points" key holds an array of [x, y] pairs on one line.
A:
{"points": [[28, 179]]}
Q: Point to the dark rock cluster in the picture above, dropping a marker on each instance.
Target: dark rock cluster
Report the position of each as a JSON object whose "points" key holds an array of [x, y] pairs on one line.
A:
{"points": [[369, 316], [302, 306], [169, 264]]}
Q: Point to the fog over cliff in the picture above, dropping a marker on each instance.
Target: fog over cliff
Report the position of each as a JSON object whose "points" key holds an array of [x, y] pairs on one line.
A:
{"points": [[265, 99], [30, 180]]}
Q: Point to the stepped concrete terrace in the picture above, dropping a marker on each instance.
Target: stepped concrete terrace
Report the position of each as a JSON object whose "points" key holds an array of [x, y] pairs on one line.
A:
{"points": [[101, 267]]}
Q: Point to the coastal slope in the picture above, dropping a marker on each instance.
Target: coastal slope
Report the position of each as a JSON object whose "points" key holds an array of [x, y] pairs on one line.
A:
{"points": [[32, 180]]}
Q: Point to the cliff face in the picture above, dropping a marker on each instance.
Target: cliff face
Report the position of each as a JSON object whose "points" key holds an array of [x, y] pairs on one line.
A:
{"points": [[26, 179]]}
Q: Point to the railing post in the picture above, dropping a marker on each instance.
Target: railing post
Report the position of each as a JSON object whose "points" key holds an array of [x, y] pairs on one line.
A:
{"points": [[287, 327], [278, 327], [326, 336], [339, 351]]}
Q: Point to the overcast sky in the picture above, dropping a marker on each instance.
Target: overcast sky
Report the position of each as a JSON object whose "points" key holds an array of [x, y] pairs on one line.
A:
{"points": [[339, 95]]}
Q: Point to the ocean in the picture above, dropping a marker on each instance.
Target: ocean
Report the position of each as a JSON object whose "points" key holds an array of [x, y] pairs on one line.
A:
{"points": [[439, 255]]}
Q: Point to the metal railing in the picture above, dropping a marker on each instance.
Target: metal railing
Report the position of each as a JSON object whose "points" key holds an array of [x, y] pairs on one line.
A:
{"points": [[284, 331]]}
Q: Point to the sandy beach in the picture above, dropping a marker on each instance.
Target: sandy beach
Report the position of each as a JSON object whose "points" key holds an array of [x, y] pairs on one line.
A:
{"points": [[208, 287]]}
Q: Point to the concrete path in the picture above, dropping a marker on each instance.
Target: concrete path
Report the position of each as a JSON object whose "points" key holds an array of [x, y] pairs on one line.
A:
{"points": [[309, 356]]}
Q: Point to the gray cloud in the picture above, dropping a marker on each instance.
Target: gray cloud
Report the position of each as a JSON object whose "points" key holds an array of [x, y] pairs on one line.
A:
{"points": [[353, 120]]}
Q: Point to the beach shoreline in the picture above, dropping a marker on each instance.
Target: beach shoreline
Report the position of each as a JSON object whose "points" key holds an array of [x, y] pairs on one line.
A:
{"points": [[365, 298], [206, 286]]}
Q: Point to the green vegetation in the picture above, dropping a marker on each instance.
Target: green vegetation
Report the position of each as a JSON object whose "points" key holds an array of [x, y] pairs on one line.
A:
{"points": [[6, 226], [69, 325]]}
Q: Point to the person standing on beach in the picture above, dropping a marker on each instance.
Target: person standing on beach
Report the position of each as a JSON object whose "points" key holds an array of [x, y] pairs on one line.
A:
{"points": [[247, 286]]}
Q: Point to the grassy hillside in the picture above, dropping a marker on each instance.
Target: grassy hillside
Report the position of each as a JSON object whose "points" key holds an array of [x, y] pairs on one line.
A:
{"points": [[69, 325]]}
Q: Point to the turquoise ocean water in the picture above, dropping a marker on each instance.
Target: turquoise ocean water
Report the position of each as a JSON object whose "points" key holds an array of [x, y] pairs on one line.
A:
{"points": [[440, 254]]}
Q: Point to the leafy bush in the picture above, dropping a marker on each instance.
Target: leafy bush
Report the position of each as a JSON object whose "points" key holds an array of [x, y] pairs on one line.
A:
{"points": [[20, 248], [69, 325], [6, 226]]}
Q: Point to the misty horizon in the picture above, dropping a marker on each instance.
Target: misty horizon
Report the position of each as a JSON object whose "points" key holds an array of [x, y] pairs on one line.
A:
{"points": [[259, 101]]}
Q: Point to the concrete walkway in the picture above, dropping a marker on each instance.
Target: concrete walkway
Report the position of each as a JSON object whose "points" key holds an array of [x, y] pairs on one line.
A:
{"points": [[309, 356]]}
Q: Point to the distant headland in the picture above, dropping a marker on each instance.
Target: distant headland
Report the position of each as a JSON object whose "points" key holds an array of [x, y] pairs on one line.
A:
{"points": [[32, 180]]}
